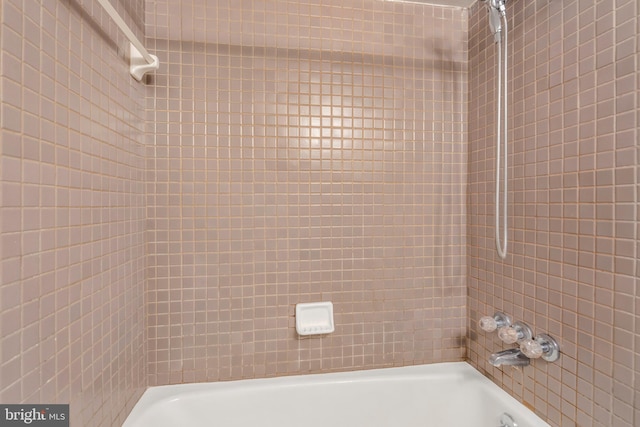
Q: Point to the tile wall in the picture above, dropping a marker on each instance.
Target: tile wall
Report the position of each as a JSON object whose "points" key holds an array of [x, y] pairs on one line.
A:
{"points": [[72, 212], [305, 152], [301, 152], [573, 265]]}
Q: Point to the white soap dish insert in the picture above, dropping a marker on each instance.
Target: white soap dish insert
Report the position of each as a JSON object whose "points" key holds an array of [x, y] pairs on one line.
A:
{"points": [[314, 318]]}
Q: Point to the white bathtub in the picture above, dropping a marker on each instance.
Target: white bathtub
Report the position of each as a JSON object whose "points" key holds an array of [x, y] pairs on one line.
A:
{"points": [[438, 395]]}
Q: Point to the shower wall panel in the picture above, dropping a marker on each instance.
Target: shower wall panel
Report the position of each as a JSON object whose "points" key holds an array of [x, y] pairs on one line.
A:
{"points": [[573, 265], [72, 171], [305, 152]]}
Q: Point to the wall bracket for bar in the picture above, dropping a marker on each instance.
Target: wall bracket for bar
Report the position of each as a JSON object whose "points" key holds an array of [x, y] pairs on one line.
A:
{"points": [[139, 65], [141, 60]]}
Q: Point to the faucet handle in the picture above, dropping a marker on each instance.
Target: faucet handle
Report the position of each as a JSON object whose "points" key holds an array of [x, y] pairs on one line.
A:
{"points": [[541, 346], [508, 335], [532, 349], [490, 324], [515, 333]]}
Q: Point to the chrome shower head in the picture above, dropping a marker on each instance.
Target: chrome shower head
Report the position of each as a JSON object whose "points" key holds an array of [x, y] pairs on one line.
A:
{"points": [[497, 10], [496, 4]]}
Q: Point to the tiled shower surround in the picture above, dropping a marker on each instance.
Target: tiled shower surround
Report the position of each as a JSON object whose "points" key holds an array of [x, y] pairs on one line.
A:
{"points": [[302, 151], [573, 265], [73, 214]]}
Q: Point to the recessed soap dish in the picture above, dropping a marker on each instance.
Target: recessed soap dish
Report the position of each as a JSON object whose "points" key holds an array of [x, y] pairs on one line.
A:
{"points": [[314, 318]]}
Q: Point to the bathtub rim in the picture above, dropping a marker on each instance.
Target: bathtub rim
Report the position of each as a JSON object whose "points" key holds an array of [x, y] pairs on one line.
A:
{"points": [[157, 395]]}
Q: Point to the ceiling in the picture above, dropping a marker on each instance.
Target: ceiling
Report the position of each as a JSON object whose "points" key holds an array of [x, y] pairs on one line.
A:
{"points": [[457, 3]]}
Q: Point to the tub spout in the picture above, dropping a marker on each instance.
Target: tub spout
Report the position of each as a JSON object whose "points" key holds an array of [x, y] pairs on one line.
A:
{"points": [[511, 357]]}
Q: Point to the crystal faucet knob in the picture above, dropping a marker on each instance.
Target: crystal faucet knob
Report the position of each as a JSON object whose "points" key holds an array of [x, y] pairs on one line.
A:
{"points": [[541, 346], [491, 323], [515, 333], [488, 324], [532, 349], [508, 335]]}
